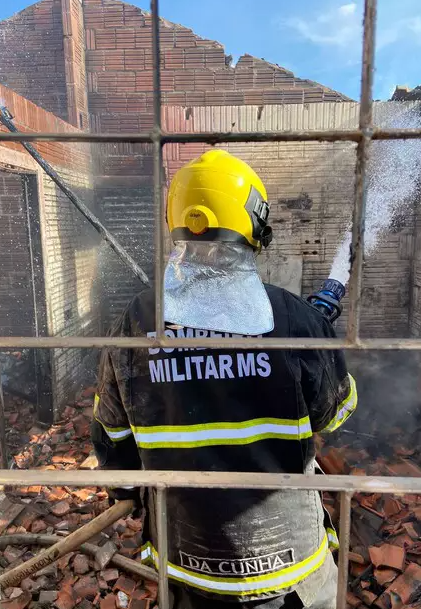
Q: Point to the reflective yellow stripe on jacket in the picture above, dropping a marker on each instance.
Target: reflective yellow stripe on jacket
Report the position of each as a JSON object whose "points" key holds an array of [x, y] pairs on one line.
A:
{"points": [[213, 434], [345, 408], [246, 586], [332, 539], [114, 433]]}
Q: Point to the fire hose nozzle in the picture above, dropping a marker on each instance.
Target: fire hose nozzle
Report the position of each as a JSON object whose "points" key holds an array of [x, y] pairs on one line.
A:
{"points": [[327, 299]]}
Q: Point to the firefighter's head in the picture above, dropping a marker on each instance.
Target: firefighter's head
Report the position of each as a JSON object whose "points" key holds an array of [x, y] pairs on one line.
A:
{"points": [[218, 197]]}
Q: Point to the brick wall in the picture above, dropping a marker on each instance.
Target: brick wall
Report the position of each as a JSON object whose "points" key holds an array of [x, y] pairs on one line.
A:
{"points": [[32, 56], [71, 277], [69, 244], [120, 85], [415, 287], [194, 71], [310, 187], [74, 63], [17, 308]]}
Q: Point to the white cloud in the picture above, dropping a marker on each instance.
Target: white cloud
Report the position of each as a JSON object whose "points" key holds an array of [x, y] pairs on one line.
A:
{"points": [[338, 27], [342, 27], [415, 25], [400, 30], [348, 9]]}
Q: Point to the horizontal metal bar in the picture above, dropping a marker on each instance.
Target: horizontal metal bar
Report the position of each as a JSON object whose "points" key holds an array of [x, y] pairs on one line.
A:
{"points": [[353, 135], [194, 479], [328, 135], [129, 342]]}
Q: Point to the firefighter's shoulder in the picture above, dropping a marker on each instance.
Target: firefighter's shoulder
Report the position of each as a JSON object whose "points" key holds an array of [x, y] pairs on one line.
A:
{"points": [[138, 315], [303, 318]]}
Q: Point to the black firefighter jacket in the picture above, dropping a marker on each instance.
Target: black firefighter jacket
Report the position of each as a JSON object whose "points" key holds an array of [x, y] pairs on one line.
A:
{"points": [[239, 411]]}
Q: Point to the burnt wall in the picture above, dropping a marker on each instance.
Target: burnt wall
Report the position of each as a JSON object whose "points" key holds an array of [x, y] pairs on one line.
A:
{"points": [[311, 188], [194, 72], [69, 246], [17, 315]]}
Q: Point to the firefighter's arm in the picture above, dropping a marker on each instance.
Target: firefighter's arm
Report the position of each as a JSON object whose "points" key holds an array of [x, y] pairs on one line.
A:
{"points": [[112, 437], [330, 391]]}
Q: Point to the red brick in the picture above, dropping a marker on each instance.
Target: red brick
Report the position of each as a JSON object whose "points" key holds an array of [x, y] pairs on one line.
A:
{"points": [[21, 602], [60, 509], [38, 526], [86, 587], [406, 587], [109, 602], [65, 600], [80, 564], [109, 575], [385, 576], [125, 585]]}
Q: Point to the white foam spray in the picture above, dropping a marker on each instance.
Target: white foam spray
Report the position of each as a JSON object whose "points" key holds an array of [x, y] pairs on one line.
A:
{"points": [[393, 177]]}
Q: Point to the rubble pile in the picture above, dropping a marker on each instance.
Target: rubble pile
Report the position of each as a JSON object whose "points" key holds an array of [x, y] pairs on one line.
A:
{"points": [[385, 557], [77, 580], [20, 417], [17, 370]]}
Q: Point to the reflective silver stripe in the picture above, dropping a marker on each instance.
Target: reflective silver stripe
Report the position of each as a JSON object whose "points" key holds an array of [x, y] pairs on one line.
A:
{"points": [[248, 585], [345, 408], [114, 433], [117, 435], [332, 538], [208, 434]]}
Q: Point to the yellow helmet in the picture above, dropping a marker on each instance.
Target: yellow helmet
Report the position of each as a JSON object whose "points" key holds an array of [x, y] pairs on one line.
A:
{"points": [[218, 197]]}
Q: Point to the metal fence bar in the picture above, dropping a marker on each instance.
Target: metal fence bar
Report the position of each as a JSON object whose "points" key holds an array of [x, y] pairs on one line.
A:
{"points": [[161, 480], [358, 220], [139, 342], [344, 542], [199, 479], [3, 444], [162, 522], [157, 173], [330, 135]]}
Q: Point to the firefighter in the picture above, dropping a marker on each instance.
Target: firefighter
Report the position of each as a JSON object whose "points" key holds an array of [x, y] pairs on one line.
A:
{"points": [[251, 410]]}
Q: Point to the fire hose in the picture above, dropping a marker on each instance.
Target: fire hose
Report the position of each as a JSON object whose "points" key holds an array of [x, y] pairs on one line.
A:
{"points": [[6, 118]]}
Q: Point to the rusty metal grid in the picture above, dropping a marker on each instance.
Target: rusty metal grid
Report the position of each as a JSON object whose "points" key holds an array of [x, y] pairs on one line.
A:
{"points": [[345, 485], [363, 136]]}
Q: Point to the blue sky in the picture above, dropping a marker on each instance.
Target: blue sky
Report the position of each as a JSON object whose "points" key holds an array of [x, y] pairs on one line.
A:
{"points": [[317, 39]]}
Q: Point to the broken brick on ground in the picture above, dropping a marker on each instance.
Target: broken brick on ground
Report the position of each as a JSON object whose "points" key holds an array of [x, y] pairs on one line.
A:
{"points": [[385, 559], [385, 548], [77, 580]]}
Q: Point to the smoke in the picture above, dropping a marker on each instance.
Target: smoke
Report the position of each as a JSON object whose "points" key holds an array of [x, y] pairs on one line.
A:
{"points": [[389, 402]]}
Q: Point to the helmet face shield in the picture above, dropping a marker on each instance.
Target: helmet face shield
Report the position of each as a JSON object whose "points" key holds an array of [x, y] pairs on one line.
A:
{"points": [[217, 287]]}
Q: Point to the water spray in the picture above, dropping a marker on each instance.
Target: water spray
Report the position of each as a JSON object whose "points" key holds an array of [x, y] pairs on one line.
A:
{"points": [[328, 299], [6, 118], [392, 180]]}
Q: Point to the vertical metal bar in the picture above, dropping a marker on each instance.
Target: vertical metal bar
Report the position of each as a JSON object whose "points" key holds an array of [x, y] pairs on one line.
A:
{"points": [[358, 221], [31, 252], [161, 519], [157, 172], [3, 444], [344, 534]]}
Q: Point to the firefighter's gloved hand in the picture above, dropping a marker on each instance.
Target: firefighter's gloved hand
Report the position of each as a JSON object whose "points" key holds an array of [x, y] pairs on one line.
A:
{"points": [[122, 494]]}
